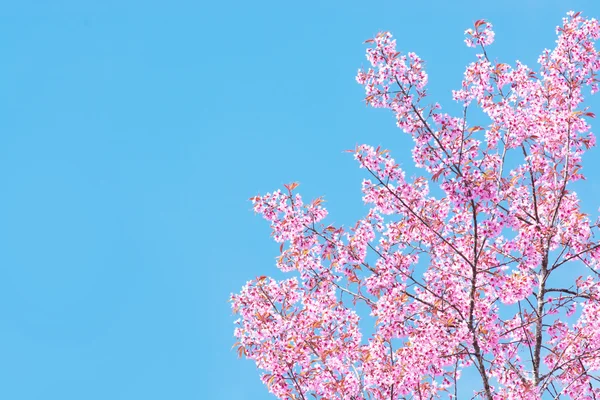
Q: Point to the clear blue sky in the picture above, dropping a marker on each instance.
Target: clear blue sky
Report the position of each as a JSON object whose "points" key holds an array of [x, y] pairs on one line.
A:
{"points": [[132, 135]]}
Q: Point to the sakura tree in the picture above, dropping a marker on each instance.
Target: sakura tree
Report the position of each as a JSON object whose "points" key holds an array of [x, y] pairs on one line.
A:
{"points": [[480, 277]]}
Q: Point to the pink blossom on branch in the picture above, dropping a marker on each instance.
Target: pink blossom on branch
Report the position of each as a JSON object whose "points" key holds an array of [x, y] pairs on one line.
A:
{"points": [[469, 280]]}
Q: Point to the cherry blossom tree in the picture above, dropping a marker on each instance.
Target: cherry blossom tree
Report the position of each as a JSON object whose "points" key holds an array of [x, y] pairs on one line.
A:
{"points": [[478, 278]]}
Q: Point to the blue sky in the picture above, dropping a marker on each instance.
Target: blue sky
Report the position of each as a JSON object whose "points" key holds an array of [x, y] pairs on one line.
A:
{"points": [[133, 134]]}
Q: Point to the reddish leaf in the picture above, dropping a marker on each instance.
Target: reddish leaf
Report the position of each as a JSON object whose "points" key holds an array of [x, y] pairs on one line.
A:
{"points": [[474, 129], [437, 175], [241, 351], [291, 186]]}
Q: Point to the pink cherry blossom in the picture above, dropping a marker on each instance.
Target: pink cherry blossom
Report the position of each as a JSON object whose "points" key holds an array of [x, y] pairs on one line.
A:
{"points": [[473, 280]]}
